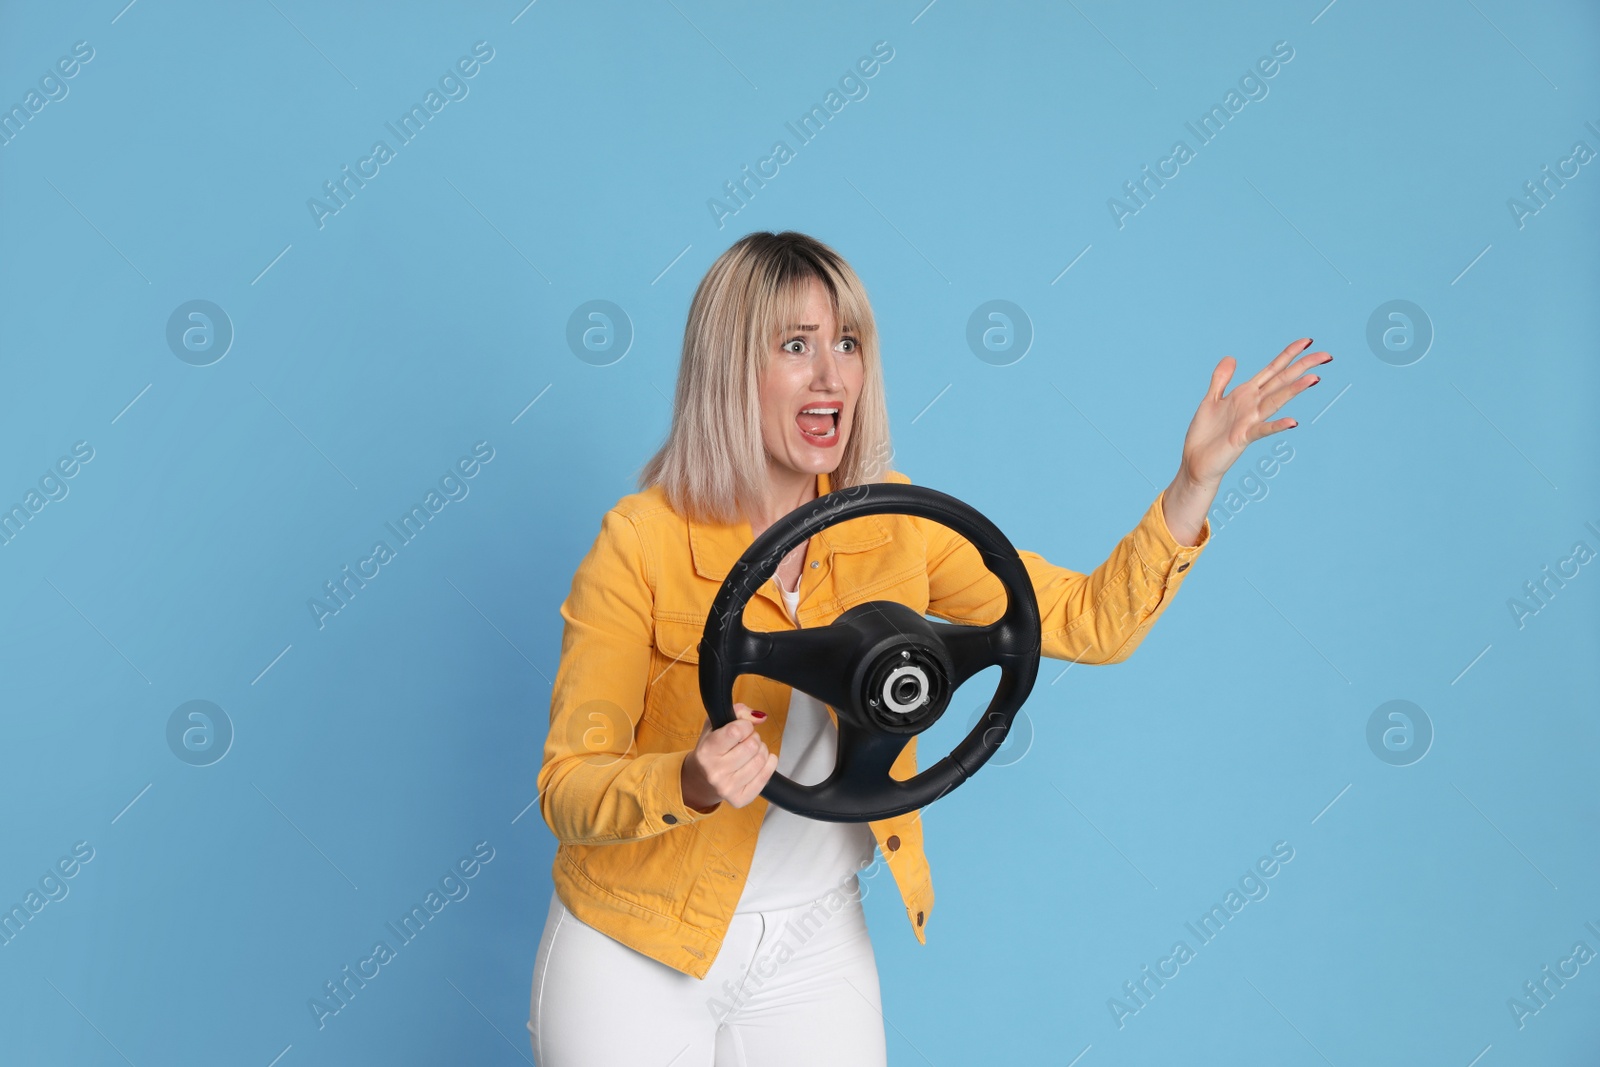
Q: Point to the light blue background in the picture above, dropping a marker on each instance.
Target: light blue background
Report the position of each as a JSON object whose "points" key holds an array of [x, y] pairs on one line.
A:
{"points": [[370, 354]]}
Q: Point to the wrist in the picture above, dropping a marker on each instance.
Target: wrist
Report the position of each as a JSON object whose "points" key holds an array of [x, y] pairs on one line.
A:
{"points": [[694, 789], [1185, 482], [1184, 504]]}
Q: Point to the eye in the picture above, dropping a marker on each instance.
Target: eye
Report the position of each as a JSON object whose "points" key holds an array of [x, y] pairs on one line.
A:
{"points": [[801, 341], [855, 346]]}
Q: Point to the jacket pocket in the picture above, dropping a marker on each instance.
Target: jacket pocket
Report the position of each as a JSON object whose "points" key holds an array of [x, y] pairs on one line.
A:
{"points": [[646, 873], [673, 711], [678, 641]]}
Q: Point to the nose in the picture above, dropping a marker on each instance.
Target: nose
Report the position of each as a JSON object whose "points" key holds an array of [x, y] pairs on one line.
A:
{"points": [[825, 371]]}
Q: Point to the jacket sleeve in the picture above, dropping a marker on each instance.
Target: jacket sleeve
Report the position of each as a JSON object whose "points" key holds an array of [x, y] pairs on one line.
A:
{"points": [[1099, 617], [595, 786]]}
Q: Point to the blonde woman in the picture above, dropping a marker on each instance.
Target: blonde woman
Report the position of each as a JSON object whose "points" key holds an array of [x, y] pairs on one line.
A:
{"points": [[693, 923]]}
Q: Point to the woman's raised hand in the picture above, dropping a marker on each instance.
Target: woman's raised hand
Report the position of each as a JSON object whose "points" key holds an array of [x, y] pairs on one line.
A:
{"points": [[1225, 425], [1228, 422], [729, 763]]}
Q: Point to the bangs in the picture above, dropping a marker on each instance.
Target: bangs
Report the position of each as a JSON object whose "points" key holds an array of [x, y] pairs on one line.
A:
{"points": [[786, 306]]}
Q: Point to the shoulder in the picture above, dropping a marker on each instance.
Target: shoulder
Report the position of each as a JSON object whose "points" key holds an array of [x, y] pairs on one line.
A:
{"points": [[645, 521], [897, 476], [903, 528], [933, 535], [629, 542], [644, 507]]}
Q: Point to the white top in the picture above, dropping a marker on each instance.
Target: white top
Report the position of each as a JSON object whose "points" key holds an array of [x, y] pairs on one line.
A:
{"points": [[799, 859]]}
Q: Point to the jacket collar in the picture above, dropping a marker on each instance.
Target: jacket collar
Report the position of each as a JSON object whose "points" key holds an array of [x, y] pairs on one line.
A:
{"points": [[716, 548]]}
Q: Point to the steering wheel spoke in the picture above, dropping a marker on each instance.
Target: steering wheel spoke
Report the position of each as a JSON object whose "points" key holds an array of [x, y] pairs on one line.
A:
{"points": [[866, 755], [970, 648], [808, 660]]}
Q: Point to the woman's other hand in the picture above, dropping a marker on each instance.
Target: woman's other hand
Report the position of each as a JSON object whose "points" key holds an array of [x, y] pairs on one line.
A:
{"points": [[1225, 426], [729, 763]]}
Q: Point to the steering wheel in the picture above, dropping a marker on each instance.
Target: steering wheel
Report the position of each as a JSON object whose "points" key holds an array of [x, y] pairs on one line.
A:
{"points": [[887, 671]]}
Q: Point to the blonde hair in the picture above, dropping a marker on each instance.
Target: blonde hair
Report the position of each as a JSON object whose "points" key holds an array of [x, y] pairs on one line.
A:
{"points": [[713, 465]]}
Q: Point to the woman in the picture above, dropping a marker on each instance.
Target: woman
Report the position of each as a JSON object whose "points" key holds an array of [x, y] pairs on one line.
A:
{"points": [[693, 923]]}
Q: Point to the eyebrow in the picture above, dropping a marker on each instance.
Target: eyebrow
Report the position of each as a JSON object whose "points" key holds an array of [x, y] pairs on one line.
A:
{"points": [[813, 328]]}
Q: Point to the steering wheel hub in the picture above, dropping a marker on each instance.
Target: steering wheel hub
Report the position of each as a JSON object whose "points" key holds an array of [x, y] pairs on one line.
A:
{"points": [[901, 675]]}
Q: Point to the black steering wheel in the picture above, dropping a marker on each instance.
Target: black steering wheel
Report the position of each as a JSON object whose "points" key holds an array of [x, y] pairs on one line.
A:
{"points": [[886, 671]]}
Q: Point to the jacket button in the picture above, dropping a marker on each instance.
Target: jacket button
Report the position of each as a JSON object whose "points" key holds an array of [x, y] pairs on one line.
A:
{"points": [[893, 842], [669, 818], [919, 918], [1183, 566], [815, 564]]}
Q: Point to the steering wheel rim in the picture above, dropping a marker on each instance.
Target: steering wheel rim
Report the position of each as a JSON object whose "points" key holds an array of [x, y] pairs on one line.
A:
{"points": [[887, 672]]}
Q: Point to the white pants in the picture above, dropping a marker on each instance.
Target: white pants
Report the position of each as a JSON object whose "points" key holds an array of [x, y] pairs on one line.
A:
{"points": [[796, 986]]}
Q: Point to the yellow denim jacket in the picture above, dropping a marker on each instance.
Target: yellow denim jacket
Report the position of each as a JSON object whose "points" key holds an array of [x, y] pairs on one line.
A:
{"points": [[633, 860]]}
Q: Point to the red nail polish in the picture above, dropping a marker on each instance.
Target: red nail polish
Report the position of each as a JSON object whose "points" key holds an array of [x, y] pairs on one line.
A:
{"points": [[758, 715]]}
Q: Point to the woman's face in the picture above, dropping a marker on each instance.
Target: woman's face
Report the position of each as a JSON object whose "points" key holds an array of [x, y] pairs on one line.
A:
{"points": [[814, 364]]}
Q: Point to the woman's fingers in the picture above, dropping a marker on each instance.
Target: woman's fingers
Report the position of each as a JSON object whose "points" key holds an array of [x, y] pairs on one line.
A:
{"points": [[1275, 427], [750, 745], [741, 756], [757, 781], [1289, 383], [1280, 396], [765, 776], [739, 782], [1296, 373], [744, 783], [1292, 373], [724, 737], [1263, 377], [736, 760]]}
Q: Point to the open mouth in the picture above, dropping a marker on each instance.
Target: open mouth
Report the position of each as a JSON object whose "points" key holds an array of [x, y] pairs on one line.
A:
{"points": [[819, 423]]}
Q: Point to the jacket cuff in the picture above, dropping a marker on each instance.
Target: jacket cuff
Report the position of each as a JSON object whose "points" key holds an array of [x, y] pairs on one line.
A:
{"points": [[667, 807], [1159, 551]]}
